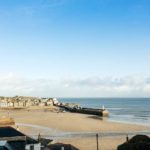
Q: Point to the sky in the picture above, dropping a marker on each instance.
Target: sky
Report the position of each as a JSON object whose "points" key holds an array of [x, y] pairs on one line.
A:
{"points": [[75, 48]]}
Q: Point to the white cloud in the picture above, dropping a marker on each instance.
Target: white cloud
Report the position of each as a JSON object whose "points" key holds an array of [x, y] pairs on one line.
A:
{"points": [[131, 86]]}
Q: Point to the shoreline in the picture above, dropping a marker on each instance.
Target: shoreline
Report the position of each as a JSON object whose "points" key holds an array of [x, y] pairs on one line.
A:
{"points": [[23, 115], [85, 122], [129, 123]]}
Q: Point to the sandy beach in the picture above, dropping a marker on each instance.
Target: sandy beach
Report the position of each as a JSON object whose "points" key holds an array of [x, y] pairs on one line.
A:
{"points": [[72, 128]]}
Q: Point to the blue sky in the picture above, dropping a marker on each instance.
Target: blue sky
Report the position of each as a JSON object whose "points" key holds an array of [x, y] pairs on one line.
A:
{"points": [[75, 47]]}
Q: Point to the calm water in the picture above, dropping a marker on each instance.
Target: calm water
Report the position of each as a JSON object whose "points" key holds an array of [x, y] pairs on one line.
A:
{"points": [[129, 110]]}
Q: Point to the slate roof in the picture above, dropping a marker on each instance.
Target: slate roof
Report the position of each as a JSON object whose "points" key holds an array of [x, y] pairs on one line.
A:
{"points": [[9, 132], [12, 132], [58, 146]]}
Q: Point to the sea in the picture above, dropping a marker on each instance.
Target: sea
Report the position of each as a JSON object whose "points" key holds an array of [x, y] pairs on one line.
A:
{"points": [[125, 110]]}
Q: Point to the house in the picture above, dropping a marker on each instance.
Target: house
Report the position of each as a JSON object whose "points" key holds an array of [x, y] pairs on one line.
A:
{"points": [[3, 104], [60, 146], [138, 142], [42, 104], [55, 101], [44, 142], [50, 102], [12, 139]]}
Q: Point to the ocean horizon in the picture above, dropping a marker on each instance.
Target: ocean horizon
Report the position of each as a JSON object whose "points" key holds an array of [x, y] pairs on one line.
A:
{"points": [[125, 110]]}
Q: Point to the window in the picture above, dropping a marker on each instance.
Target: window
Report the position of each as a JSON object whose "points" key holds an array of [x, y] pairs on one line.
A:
{"points": [[32, 147]]}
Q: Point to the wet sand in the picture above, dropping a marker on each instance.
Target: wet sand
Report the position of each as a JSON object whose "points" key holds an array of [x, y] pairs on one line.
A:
{"points": [[109, 143], [59, 126]]}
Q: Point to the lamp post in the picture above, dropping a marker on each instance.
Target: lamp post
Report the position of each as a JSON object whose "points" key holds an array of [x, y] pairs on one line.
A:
{"points": [[97, 141]]}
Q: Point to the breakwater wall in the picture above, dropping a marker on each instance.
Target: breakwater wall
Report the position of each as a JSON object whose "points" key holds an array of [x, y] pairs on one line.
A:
{"points": [[90, 111]]}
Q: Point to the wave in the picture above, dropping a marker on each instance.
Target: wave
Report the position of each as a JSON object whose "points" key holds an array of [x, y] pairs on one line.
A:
{"points": [[117, 108]]}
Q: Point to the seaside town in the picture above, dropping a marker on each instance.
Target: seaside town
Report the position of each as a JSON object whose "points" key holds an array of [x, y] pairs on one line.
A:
{"points": [[22, 101]]}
